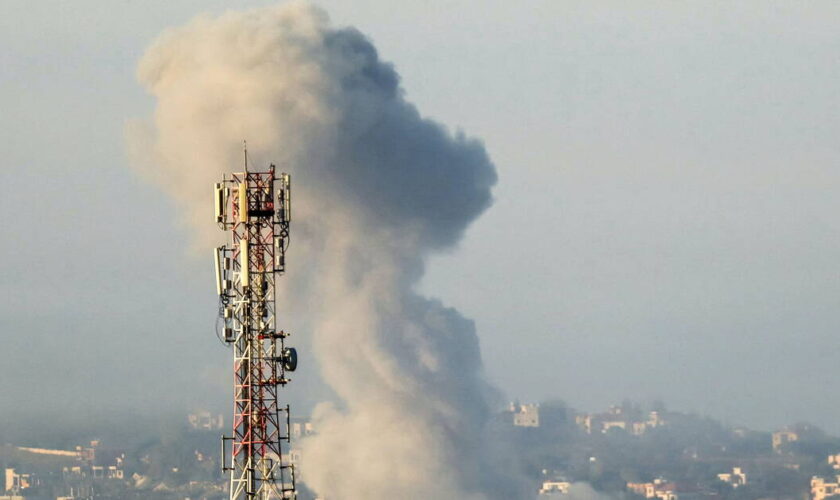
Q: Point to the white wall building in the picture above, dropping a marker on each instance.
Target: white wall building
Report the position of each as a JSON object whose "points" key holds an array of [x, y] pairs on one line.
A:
{"points": [[735, 478], [551, 488], [822, 488], [525, 415]]}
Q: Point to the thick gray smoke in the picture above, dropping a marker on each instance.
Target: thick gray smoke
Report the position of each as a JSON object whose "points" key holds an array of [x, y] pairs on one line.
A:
{"points": [[376, 189]]}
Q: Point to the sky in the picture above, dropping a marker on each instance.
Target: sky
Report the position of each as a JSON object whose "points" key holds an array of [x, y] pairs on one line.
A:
{"points": [[665, 223]]}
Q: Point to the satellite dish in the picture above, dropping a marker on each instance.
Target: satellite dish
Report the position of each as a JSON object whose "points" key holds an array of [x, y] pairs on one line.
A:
{"points": [[290, 359]]}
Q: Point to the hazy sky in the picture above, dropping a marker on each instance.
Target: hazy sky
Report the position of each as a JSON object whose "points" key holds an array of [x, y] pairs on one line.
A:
{"points": [[666, 222]]}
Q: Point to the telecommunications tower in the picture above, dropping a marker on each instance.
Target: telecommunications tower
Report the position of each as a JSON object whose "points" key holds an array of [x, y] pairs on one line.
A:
{"points": [[255, 209]]}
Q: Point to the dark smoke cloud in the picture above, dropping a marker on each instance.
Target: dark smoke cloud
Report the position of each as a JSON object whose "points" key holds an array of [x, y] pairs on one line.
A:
{"points": [[376, 188]]}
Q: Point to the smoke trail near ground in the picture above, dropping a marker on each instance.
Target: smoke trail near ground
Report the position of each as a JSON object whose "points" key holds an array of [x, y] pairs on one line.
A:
{"points": [[377, 188]]}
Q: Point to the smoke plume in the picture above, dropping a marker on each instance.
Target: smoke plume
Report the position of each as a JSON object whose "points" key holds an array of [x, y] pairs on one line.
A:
{"points": [[377, 188]]}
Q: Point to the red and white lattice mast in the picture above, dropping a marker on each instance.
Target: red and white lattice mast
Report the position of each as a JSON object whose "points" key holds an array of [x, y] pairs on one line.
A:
{"points": [[255, 209]]}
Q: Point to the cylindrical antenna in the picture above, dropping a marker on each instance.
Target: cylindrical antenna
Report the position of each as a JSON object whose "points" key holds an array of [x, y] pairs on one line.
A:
{"points": [[245, 150]]}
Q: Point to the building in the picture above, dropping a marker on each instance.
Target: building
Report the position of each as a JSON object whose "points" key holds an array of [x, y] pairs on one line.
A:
{"points": [[647, 490], [96, 463], [107, 472], [88, 453], [735, 478], [655, 419], [617, 418], [658, 488], [606, 425], [16, 483], [783, 437], [301, 428], [73, 472], [662, 489], [602, 422], [140, 481], [584, 421], [525, 415], [205, 421], [557, 487], [822, 488], [834, 461]]}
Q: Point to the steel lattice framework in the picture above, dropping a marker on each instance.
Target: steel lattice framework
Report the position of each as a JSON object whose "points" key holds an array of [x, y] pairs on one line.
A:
{"points": [[257, 217]]}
